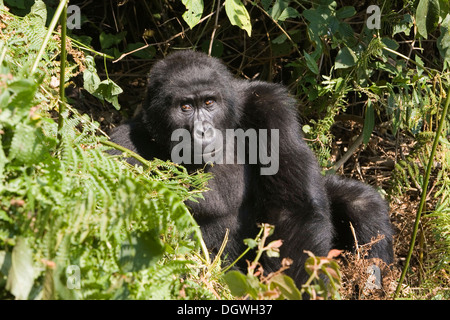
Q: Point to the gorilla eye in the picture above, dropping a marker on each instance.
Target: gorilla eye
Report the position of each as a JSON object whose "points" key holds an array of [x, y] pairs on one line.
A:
{"points": [[186, 107], [209, 102]]}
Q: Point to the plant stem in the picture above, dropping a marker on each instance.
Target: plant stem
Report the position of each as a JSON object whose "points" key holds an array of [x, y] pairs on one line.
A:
{"points": [[59, 10], [243, 254], [108, 143], [424, 193], [62, 71], [409, 60]]}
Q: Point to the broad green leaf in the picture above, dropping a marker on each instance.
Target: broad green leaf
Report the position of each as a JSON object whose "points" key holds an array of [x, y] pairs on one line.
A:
{"points": [[237, 282], [108, 40], [91, 80], [286, 286], [427, 16], [404, 26], [444, 7], [22, 85], [345, 12], [21, 274], [109, 90], [38, 12], [194, 11], [278, 7], [443, 42], [288, 13], [281, 11], [104, 90], [369, 122], [311, 63], [17, 106], [345, 58], [266, 4], [238, 15]]}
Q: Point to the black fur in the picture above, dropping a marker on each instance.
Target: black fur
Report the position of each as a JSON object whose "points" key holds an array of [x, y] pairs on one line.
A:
{"points": [[309, 212]]}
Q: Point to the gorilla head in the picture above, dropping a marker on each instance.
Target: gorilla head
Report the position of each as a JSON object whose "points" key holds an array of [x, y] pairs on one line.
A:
{"points": [[192, 93]]}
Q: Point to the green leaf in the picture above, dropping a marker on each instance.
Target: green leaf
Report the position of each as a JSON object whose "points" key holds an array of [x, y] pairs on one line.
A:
{"points": [[4, 98], [238, 15], [278, 7], [288, 13], [3, 214], [109, 90], [390, 43], [141, 251], [443, 42], [311, 63], [251, 243], [104, 90], [444, 6], [404, 26], [286, 286], [91, 79], [369, 122], [17, 107], [237, 282], [345, 58], [5, 262], [194, 11], [345, 12], [29, 145], [427, 16], [266, 4], [108, 40], [38, 13], [306, 128], [21, 274], [272, 253]]}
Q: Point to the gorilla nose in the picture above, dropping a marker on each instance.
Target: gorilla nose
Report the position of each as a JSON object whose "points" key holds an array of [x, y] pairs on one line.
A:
{"points": [[204, 133]]}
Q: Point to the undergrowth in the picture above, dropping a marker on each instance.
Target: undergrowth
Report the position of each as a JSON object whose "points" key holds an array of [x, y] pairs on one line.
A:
{"points": [[72, 217], [76, 223]]}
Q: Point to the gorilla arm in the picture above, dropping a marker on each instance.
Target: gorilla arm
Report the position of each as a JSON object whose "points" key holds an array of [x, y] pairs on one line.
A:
{"points": [[294, 199]]}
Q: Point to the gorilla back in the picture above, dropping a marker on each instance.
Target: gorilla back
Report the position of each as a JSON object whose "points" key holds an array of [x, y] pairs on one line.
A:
{"points": [[196, 94]]}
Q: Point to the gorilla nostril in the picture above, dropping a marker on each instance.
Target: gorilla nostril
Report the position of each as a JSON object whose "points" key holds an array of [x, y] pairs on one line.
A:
{"points": [[209, 133]]}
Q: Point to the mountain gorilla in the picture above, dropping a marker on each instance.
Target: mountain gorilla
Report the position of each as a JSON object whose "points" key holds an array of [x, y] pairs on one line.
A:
{"points": [[197, 94]]}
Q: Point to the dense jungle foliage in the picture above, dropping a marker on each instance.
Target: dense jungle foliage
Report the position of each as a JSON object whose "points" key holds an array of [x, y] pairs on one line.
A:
{"points": [[372, 82]]}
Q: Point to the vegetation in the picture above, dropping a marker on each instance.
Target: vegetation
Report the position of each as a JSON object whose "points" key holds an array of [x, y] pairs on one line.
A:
{"points": [[75, 223]]}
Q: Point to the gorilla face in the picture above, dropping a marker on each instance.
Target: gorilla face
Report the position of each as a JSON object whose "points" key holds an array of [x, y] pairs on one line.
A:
{"points": [[192, 94]]}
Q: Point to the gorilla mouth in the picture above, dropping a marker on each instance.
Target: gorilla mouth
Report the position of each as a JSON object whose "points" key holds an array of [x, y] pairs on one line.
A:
{"points": [[209, 154]]}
